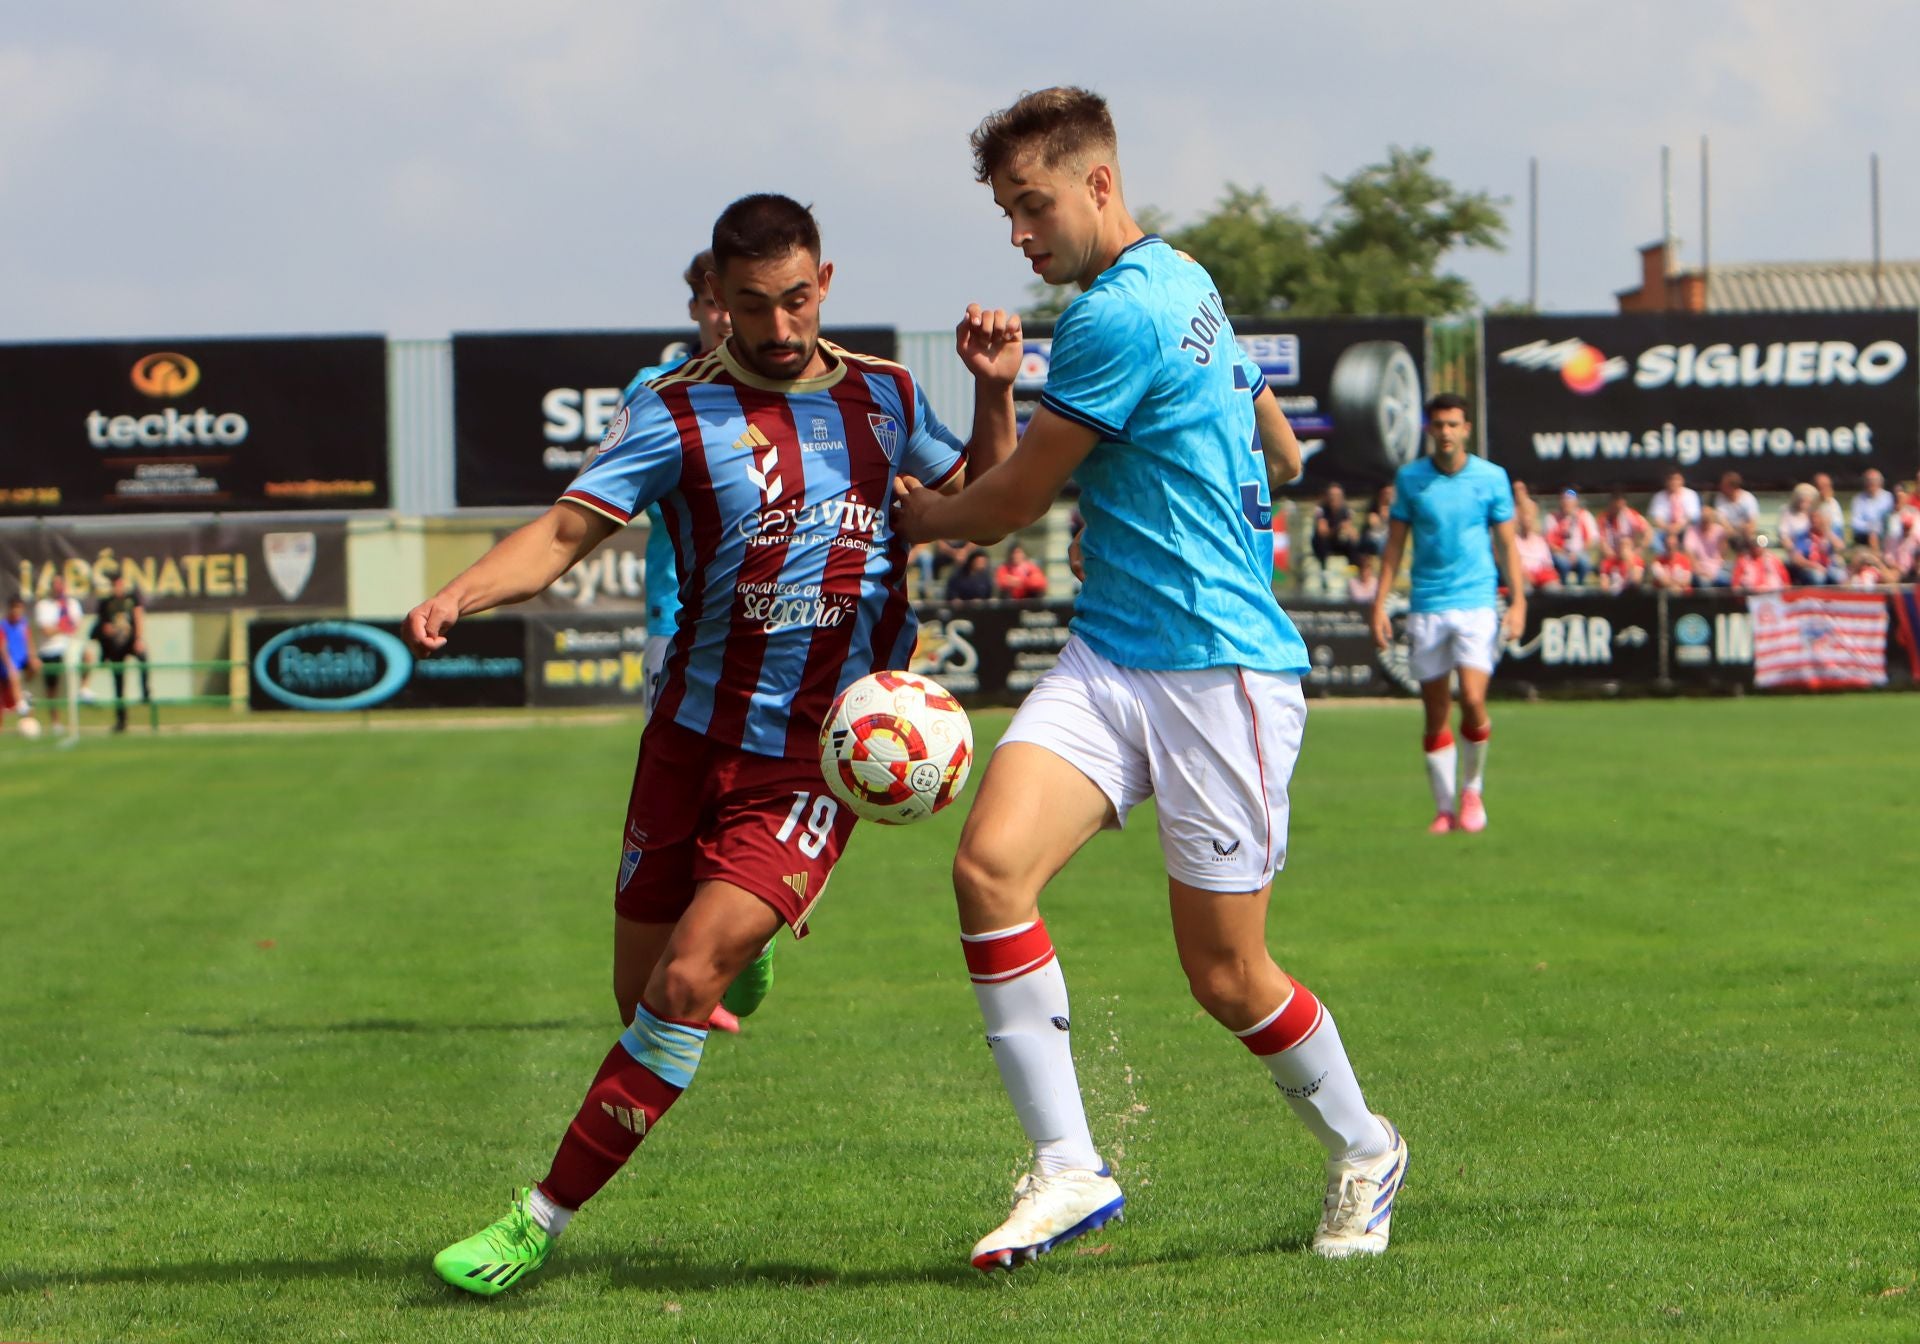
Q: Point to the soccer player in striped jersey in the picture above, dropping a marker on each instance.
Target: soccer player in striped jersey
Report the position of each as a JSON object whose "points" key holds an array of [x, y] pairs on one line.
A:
{"points": [[1181, 680], [710, 320], [1457, 509], [773, 460]]}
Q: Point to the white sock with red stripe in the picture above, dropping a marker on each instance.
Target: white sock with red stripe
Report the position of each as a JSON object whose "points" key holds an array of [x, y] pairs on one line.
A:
{"points": [[1473, 755], [1301, 1048], [1023, 998], [1440, 764]]}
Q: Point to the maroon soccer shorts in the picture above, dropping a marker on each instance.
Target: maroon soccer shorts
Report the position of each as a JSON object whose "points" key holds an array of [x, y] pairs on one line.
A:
{"points": [[702, 811]]}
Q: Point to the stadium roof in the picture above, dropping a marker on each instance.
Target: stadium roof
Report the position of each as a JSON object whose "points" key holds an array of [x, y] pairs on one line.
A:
{"points": [[1810, 286]]}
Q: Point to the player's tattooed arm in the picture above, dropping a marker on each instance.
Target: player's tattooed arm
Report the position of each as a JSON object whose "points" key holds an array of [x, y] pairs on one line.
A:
{"points": [[520, 565], [1277, 442], [989, 342], [1013, 495]]}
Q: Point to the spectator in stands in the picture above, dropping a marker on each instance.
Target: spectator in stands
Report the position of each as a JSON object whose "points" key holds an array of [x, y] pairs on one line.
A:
{"points": [[1796, 516], [1621, 519], [1373, 532], [1757, 569], [1737, 507], [1363, 585], [1872, 509], [1019, 578], [1902, 547], [1334, 530], [972, 580], [1670, 570], [17, 632], [1867, 568], [1624, 569], [1817, 555], [1677, 505], [1828, 503], [57, 619], [1705, 545], [1282, 539], [1523, 499], [1572, 535], [1530, 545], [920, 563]]}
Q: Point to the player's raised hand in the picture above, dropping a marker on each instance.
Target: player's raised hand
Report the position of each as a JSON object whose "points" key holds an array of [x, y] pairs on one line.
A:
{"points": [[428, 623], [990, 343], [911, 500]]}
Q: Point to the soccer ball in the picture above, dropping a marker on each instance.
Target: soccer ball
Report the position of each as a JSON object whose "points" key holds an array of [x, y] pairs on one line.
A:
{"points": [[896, 747], [29, 727]]}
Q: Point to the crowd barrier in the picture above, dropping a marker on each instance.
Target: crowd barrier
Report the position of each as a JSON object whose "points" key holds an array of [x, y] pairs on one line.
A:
{"points": [[991, 653]]}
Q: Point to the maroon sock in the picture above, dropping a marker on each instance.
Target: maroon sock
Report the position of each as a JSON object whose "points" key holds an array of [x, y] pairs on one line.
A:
{"points": [[626, 1100]]}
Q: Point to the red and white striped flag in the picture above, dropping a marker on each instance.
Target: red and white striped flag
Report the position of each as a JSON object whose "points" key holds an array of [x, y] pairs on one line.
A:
{"points": [[1819, 638]]}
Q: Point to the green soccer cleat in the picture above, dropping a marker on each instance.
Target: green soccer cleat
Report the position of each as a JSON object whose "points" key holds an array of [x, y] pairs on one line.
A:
{"points": [[749, 988], [496, 1257]]}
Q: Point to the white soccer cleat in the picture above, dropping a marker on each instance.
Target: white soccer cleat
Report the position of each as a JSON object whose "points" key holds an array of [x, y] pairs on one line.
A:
{"points": [[1358, 1211], [1048, 1210]]}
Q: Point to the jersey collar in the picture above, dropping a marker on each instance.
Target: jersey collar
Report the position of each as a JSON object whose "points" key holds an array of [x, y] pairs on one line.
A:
{"points": [[741, 373]]}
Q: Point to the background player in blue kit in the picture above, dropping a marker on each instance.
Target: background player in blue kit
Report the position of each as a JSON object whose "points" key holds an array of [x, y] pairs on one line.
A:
{"points": [[1181, 680], [1457, 508]]}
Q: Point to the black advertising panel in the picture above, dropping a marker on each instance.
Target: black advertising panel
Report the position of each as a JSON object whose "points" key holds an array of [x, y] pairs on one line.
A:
{"points": [[1709, 637], [1352, 388], [989, 653], [1589, 640], [210, 566], [586, 660], [1342, 654], [349, 665], [529, 406], [190, 425], [1615, 403], [611, 579]]}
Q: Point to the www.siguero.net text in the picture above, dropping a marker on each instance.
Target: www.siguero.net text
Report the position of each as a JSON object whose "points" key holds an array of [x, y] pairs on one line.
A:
{"points": [[1684, 447]]}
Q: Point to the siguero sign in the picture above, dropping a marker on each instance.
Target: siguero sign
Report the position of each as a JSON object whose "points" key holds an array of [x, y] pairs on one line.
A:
{"points": [[332, 665]]}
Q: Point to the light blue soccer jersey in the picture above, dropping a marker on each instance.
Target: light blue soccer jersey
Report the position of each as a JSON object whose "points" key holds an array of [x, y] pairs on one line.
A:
{"points": [[1179, 542], [1449, 518], [663, 579]]}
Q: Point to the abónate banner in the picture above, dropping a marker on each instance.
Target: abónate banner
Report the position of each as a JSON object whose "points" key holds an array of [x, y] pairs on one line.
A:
{"points": [[183, 424], [529, 406], [1352, 388], [1615, 403]]}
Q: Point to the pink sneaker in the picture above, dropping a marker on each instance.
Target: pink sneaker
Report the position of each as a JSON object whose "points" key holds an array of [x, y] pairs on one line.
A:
{"points": [[1473, 812], [1442, 823]]}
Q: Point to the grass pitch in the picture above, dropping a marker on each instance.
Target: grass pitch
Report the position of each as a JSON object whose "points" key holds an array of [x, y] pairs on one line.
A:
{"points": [[285, 1014]]}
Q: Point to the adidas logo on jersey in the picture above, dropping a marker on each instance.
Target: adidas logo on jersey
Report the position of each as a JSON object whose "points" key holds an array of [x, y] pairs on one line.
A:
{"points": [[629, 1118], [798, 881]]}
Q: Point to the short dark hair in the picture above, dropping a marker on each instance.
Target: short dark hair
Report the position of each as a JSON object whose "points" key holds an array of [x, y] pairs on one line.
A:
{"points": [[1449, 401], [764, 226], [696, 273], [1060, 123]]}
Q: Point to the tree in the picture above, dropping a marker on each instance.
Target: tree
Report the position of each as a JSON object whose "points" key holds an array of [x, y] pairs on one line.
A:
{"points": [[1377, 248]]}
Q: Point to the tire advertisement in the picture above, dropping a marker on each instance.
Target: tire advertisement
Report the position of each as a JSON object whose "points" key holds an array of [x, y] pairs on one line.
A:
{"points": [[213, 566], [586, 660], [1615, 403], [337, 665], [186, 425], [528, 407], [1352, 388]]}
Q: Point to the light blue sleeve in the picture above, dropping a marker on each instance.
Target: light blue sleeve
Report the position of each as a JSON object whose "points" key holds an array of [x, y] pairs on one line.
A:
{"points": [[934, 452], [1105, 356], [1500, 509], [638, 460]]}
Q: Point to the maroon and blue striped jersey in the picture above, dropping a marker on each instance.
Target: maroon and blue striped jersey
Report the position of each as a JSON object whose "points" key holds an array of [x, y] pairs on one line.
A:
{"points": [[777, 497]]}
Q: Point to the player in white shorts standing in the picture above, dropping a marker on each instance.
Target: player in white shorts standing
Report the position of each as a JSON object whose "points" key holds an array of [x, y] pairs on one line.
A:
{"points": [[1458, 508], [1181, 680]]}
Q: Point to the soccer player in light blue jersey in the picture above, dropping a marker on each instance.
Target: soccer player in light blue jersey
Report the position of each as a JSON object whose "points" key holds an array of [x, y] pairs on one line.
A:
{"points": [[1181, 680], [1458, 509]]}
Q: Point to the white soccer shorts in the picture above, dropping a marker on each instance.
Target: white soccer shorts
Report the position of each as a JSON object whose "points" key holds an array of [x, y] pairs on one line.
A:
{"points": [[653, 666], [1444, 640], [1216, 747]]}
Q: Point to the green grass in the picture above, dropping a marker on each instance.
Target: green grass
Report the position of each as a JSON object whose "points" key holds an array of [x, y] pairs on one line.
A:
{"points": [[285, 1014]]}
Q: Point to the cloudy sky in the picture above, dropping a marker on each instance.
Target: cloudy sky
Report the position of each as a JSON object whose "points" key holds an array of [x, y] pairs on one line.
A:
{"points": [[422, 166]]}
